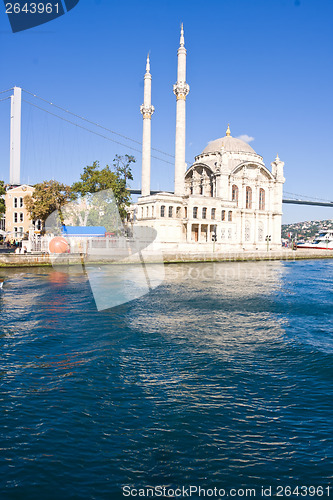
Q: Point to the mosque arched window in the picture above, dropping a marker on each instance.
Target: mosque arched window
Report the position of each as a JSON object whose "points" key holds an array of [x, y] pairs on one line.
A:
{"points": [[235, 193], [262, 199], [248, 197], [204, 213], [195, 212], [163, 211], [201, 186], [223, 215], [230, 216]]}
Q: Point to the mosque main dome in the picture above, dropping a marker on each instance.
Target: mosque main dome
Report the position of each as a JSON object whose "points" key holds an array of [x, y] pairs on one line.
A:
{"points": [[231, 144]]}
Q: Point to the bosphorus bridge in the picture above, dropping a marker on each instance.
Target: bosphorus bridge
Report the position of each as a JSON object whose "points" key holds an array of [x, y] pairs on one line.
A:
{"points": [[103, 132]]}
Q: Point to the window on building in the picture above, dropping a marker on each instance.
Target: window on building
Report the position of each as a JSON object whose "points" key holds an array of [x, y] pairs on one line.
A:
{"points": [[15, 232], [191, 188], [185, 212], [262, 199], [20, 231], [141, 212], [21, 202], [178, 212], [170, 211], [229, 233], [223, 215], [15, 202], [147, 212], [261, 231], [213, 213], [230, 216], [204, 213], [15, 217], [21, 216], [162, 211], [247, 231], [195, 212], [222, 234], [248, 197], [152, 211], [235, 194], [201, 186]]}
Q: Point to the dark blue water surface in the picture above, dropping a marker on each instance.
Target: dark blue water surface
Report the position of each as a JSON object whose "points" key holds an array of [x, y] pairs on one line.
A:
{"points": [[221, 377]]}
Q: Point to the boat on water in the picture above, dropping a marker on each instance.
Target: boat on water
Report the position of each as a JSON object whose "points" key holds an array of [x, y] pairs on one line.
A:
{"points": [[322, 241]]}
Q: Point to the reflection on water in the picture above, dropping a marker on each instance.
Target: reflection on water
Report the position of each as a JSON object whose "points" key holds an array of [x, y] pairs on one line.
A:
{"points": [[221, 374]]}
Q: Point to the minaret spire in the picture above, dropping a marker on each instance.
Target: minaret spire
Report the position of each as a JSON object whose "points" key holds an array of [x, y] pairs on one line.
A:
{"points": [[181, 90], [146, 110], [182, 40]]}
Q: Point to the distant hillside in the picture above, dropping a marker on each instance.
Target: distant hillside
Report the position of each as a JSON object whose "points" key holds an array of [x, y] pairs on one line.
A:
{"points": [[306, 230]]}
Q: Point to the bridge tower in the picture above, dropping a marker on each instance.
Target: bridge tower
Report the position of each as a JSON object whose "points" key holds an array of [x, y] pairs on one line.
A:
{"points": [[15, 136]]}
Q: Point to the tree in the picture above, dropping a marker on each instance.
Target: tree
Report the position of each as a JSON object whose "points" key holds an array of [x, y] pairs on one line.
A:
{"points": [[48, 197], [95, 179], [2, 201]]}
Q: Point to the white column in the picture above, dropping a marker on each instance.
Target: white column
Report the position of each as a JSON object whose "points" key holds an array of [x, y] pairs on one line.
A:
{"points": [[146, 110], [181, 90], [15, 136]]}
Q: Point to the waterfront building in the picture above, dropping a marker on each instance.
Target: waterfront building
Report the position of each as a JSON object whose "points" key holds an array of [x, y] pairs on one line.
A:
{"points": [[227, 197], [18, 220]]}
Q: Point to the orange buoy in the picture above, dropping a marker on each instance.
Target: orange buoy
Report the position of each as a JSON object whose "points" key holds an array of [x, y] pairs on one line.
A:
{"points": [[59, 245]]}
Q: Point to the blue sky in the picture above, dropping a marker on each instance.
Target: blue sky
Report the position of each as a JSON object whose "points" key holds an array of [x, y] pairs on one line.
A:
{"points": [[265, 66]]}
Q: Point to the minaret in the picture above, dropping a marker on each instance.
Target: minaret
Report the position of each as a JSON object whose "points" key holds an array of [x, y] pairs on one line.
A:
{"points": [[180, 89], [146, 110]]}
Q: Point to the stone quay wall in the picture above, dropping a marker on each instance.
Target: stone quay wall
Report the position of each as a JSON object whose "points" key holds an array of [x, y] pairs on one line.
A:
{"points": [[166, 256]]}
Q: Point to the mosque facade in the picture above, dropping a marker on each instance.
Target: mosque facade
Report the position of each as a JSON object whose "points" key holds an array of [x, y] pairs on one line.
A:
{"points": [[227, 198]]}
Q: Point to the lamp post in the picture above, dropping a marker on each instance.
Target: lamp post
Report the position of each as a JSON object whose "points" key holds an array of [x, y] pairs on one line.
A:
{"points": [[214, 237], [268, 239]]}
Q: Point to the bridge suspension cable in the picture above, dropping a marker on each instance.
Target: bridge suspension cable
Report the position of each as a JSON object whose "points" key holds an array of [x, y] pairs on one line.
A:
{"points": [[93, 132], [96, 124], [306, 196]]}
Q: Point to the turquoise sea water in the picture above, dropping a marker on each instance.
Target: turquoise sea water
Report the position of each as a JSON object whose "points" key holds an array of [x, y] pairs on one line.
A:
{"points": [[220, 377]]}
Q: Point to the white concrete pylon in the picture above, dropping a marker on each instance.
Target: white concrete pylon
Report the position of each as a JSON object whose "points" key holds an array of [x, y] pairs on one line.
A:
{"points": [[146, 110], [181, 90], [15, 136]]}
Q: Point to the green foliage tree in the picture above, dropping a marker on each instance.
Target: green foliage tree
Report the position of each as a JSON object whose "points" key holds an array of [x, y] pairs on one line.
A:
{"points": [[48, 197], [2, 200], [95, 179]]}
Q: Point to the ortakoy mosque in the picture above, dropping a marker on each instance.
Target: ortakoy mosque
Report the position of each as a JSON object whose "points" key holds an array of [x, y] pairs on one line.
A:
{"points": [[227, 197]]}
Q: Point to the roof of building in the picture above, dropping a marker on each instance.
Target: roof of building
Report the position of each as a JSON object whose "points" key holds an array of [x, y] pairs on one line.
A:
{"points": [[84, 231], [230, 144]]}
